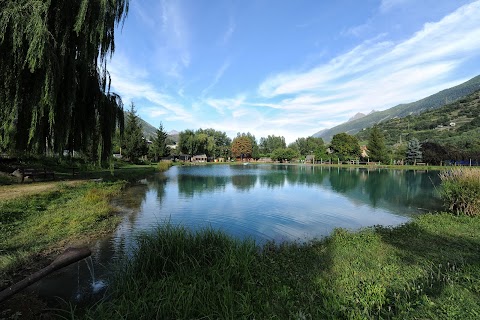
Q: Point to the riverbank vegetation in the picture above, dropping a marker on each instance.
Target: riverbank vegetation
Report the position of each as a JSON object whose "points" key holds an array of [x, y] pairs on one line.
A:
{"points": [[428, 268], [461, 190]]}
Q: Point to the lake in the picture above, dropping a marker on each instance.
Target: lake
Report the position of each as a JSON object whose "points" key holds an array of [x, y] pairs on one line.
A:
{"points": [[262, 202]]}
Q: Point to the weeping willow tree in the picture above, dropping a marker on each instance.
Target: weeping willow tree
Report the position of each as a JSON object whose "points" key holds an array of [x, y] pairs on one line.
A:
{"points": [[55, 88]]}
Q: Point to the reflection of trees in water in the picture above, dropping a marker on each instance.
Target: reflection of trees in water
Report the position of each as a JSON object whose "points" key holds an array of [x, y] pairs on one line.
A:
{"points": [[309, 175], [133, 196], [294, 175], [401, 188], [388, 188], [244, 182], [344, 180], [190, 185], [273, 179], [378, 184], [158, 183]]}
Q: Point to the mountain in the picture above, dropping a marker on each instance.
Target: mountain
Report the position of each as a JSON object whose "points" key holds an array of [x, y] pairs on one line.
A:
{"points": [[455, 124], [149, 131], [359, 115], [402, 110]]}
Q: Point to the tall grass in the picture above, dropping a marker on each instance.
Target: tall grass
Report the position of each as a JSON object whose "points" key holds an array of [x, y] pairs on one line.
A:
{"points": [[460, 190], [164, 165], [177, 274], [426, 269]]}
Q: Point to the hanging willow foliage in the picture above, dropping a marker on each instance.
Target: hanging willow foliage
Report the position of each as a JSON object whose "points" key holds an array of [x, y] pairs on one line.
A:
{"points": [[55, 88]]}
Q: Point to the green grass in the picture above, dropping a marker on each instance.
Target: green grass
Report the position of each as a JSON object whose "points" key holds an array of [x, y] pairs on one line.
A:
{"points": [[32, 226], [426, 269]]}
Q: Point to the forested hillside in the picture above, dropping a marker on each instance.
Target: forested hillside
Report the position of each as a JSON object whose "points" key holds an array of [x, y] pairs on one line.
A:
{"points": [[434, 101], [454, 129]]}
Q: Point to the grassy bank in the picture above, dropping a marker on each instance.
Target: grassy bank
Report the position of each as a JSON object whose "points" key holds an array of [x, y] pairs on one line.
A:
{"points": [[32, 227], [429, 269]]}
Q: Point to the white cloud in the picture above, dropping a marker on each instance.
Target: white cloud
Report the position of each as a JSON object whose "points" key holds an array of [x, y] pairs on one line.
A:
{"points": [[131, 84]]}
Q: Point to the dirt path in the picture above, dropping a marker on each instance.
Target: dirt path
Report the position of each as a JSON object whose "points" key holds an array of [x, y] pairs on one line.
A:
{"points": [[21, 190]]}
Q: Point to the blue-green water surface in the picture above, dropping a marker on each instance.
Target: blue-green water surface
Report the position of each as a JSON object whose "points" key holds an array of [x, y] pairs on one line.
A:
{"points": [[282, 202]]}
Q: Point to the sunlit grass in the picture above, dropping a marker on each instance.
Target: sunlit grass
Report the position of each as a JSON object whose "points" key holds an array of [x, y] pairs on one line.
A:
{"points": [[429, 268], [32, 225]]}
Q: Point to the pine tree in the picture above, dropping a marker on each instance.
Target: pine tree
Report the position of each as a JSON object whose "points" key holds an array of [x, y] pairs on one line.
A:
{"points": [[377, 150], [159, 146], [414, 154], [134, 144]]}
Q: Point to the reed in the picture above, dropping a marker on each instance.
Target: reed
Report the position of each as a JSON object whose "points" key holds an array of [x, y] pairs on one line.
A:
{"points": [[164, 165], [460, 190]]}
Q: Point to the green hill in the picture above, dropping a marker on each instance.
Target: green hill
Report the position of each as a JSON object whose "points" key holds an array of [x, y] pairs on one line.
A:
{"points": [[455, 127], [434, 101]]}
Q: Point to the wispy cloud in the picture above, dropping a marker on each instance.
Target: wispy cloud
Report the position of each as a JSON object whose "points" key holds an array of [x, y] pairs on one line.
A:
{"points": [[229, 32], [169, 52], [387, 5], [132, 84], [218, 76]]}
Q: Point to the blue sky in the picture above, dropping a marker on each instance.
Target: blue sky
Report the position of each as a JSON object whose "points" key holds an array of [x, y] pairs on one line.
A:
{"points": [[288, 67]]}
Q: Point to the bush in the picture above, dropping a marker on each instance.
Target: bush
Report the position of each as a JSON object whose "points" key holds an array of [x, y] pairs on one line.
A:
{"points": [[164, 165], [460, 190]]}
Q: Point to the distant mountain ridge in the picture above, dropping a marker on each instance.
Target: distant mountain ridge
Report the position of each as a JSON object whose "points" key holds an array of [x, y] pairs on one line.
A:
{"points": [[434, 101], [359, 115]]}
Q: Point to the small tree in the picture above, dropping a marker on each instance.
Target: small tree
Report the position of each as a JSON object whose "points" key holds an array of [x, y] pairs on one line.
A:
{"points": [[414, 154], [134, 144], [377, 151]]}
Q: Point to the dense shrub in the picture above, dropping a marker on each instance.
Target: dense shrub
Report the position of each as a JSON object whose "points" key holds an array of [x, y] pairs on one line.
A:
{"points": [[460, 190]]}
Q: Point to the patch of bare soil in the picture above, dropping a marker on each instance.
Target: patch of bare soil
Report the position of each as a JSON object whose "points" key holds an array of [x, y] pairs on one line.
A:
{"points": [[14, 191]]}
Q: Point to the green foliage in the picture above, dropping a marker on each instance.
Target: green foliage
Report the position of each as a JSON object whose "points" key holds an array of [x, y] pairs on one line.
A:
{"points": [[433, 153], [204, 141], [414, 154], [55, 86], [377, 150], [308, 146], [460, 191], [134, 144], [269, 144], [282, 154], [345, 146]]}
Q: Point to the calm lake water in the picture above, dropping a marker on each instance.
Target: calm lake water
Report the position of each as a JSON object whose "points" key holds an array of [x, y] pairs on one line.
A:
{"points": [[263, 202]]}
